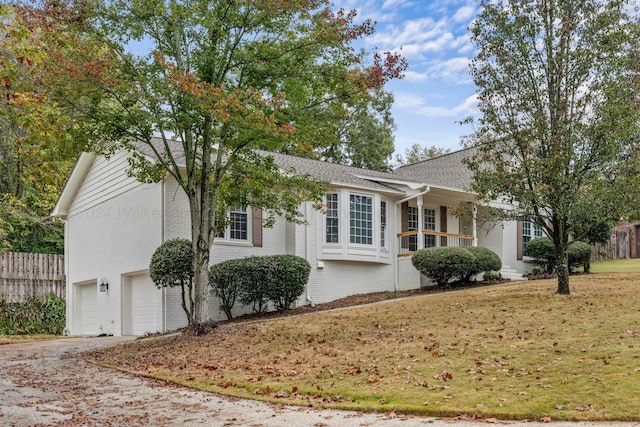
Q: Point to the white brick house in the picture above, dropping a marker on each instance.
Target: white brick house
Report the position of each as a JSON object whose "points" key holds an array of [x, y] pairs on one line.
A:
{"points": [[363, 243]]}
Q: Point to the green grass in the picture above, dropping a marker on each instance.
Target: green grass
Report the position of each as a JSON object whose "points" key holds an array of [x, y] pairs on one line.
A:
{"points": [[509, 351], [632, 264]]}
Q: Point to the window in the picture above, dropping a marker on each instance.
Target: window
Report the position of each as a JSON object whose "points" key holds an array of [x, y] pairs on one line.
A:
{"points": [[361, 219], [413, 226], [383, 224], [237, 228], [429, 224], [238, 224], [530, 231], [331, 220]]}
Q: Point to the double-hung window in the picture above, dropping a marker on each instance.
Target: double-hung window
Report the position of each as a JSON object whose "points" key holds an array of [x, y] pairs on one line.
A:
{"points": [[360, 219], [239, 224], [383, 224], [530, 231], [429, 224], [332, 220], [237, 227]]}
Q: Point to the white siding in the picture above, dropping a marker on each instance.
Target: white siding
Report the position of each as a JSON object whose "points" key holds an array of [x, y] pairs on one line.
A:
{"points": [[334, 279], [106, 179], [113, 228], [408, 276], [175, 315]]}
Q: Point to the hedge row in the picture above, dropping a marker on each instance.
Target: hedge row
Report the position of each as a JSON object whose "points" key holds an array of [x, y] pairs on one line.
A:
{"points": [[446, 264], [33, 316], [258, 281]]}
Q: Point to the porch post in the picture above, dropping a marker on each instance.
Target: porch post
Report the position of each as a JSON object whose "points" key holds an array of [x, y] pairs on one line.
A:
{"points": [[420, 236], [475, 225]]}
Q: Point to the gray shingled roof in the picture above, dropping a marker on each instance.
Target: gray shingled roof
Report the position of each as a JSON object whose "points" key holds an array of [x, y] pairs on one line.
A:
{"points": [[341, 174], [445, 171], [334, 173]]}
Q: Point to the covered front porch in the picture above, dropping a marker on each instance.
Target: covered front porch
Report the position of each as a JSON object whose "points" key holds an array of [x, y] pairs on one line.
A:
{"points": [[436, 217], [410, 241], [433, 218]]}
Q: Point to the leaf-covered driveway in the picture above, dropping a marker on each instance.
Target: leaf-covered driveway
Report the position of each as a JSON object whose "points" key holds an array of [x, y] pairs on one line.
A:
{"points": [[48, 383]]}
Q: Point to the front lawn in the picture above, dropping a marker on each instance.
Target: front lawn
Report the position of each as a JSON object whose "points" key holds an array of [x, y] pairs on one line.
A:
{"points": [[511, 351], [15, 339], [632, 264]]}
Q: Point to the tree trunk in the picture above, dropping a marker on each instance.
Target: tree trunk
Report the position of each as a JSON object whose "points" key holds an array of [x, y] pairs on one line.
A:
{"points": [[201, 284], [188, 312], [199, 233], [562, 269]]}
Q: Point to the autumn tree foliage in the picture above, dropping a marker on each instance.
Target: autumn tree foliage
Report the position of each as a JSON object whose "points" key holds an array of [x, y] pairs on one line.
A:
{"points": [[43, 55], [558, 136], [201, 85]]}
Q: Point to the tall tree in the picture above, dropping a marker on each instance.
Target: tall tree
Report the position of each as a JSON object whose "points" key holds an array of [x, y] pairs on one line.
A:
{"points": [[38, 143], [558, 136], [212, 81], [417, 153], [365, 134]]}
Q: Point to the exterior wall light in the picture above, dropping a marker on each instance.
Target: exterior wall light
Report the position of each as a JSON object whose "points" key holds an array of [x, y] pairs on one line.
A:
{"points": [[104, 285]]}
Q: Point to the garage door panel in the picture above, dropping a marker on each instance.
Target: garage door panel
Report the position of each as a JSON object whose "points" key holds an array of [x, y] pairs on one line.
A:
{"points": [[141, 306], [86, 309]]}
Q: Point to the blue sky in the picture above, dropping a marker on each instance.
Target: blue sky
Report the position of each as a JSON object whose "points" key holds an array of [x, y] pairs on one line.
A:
{"points": [[437, 90]]}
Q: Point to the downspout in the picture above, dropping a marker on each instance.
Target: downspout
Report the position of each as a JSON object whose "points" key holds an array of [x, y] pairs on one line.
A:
{"points": [[306, 252], [69, 289], [162, 225], [396, 272]]}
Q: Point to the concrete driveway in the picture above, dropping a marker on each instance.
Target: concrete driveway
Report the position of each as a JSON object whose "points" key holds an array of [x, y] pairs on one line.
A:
{"points": [[48, 383]]}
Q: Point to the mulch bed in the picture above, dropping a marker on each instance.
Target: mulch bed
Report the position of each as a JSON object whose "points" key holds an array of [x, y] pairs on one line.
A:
{"points": [[352, 301]]}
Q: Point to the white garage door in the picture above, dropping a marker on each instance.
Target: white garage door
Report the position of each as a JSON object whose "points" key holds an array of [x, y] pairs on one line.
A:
{"points": [[86, 319], [141, 305]]}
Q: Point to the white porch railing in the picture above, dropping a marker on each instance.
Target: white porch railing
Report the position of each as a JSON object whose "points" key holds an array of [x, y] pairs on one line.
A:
{"points": [[408, 240]]}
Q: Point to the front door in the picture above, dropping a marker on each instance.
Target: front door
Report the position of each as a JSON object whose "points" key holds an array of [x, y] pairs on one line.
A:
{"points": [[636, 253]]}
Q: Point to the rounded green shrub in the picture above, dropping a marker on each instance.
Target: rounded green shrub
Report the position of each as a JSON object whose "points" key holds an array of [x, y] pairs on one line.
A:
{"points": [[224, 281], [579, 254], [172, 263], [288, 278], [255, 281], [443, 264], [485, 260], [543, 251]]}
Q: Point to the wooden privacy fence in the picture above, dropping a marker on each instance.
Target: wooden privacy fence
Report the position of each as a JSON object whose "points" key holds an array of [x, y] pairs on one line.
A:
{"points": [[23, 275], [618, 247]]}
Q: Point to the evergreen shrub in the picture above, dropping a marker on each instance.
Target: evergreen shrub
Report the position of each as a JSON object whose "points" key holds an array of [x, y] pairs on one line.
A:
{"points": [[33, 316]]}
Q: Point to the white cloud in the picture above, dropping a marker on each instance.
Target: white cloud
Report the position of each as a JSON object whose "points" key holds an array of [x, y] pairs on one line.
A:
{"points": [[464, 14], [412, 76], [406, 101], [418, 106], [394, 4], [453, 70]]}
